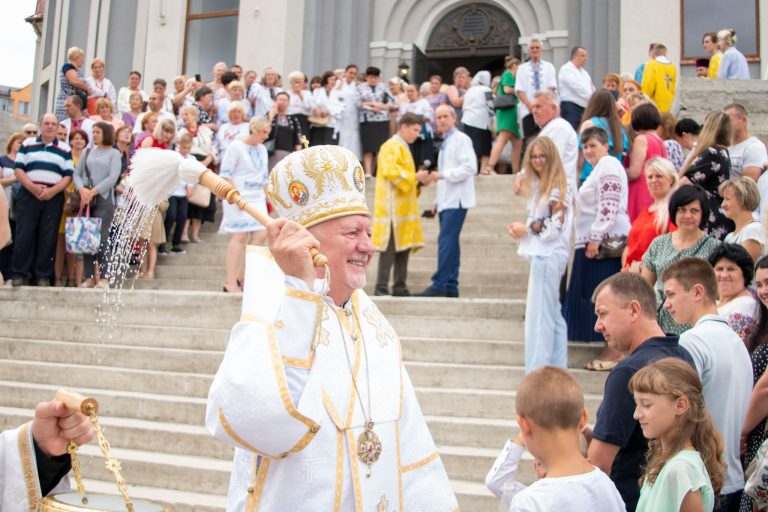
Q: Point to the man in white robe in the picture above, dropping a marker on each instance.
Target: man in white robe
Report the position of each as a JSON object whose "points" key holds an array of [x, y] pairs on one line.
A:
{"points": [[349, 126], [312, 390], [34, 458]]}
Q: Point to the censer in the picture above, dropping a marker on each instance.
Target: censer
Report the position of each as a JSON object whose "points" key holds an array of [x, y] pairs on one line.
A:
{"points": [[81, 501]]}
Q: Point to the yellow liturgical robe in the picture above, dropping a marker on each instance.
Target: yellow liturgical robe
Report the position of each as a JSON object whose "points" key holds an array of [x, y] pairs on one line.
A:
{"points": [[660, 82], [396, 199]]}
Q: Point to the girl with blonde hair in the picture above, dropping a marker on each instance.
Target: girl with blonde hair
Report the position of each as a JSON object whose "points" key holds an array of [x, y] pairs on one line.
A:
{"points": [[685, 466], [545, 242]]}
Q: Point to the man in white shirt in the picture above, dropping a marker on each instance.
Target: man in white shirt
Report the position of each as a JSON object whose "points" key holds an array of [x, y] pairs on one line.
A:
{"points": [[73, 106], [748, 154], [455, 177], [533, 76], [721, 359], [547, 116], [155, 104], [575, 87]]}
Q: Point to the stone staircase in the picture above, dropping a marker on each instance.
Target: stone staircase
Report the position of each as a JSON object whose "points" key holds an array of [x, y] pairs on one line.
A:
{"points": [[151, 373]]}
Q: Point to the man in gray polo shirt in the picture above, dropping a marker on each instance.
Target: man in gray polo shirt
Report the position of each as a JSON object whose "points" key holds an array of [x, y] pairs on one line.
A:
{"points": [[44, 169], [721, 359]]}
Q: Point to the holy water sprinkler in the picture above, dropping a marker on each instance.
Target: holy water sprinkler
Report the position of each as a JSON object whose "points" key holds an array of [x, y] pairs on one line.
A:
{"points": [[156, 172]]}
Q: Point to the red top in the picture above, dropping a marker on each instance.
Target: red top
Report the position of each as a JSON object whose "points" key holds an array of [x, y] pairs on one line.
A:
{"points": [[140, 138], [639, 196], [641, 235]]}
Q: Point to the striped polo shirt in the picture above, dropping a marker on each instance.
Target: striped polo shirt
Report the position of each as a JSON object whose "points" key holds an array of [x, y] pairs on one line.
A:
{"points": [[45, 164]]}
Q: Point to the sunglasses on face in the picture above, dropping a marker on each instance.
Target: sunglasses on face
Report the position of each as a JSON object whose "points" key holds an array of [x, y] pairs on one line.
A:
{"points": [[31, 132]]}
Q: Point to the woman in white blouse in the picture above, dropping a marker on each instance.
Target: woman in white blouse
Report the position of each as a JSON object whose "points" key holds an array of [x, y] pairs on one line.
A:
{"points": [[300, 102], [545, 243], [423, 149], [601, 216], [245, 166], [327, 111], [101, 86], [740, 199]]}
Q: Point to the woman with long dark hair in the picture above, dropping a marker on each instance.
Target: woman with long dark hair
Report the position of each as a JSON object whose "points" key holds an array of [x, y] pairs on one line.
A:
{"points": [[601, 112]]}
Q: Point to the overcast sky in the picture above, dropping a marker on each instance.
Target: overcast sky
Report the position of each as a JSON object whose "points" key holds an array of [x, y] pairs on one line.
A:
{"points": [[17, 38]]}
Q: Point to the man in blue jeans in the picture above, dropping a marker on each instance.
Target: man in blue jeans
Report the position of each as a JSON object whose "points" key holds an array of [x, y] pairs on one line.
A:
{"points": [[455, 177]]}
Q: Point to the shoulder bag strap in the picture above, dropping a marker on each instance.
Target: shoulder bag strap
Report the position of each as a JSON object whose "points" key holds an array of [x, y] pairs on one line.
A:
{"points": [[87, 171]]}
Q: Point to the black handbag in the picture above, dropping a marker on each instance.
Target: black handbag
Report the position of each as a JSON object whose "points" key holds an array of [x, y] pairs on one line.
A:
{"points": [[504, 102], [612, 247]]}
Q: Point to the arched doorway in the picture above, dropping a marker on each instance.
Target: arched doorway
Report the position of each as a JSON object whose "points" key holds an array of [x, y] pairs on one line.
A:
{"points": [[477, 36]]}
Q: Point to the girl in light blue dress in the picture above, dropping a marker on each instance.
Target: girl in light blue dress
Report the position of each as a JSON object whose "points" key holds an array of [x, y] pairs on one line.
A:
{"points": [[684, 467]]}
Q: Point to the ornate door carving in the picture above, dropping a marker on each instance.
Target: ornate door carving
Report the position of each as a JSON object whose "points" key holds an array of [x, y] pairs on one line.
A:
{"points": [[473, 30]]}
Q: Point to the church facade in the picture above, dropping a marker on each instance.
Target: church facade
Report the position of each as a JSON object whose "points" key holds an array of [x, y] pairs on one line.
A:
{"points": [[413, 38]]}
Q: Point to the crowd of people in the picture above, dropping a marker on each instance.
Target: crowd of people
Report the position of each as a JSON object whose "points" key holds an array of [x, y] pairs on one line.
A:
{"points": [[664, 214]]}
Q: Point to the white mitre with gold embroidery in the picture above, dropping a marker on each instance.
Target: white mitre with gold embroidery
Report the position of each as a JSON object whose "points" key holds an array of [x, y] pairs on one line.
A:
{"points": [[317, 184]]}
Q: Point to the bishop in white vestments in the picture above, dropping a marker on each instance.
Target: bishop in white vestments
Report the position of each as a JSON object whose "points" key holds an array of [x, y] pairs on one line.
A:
{"points": [[312, 390]]}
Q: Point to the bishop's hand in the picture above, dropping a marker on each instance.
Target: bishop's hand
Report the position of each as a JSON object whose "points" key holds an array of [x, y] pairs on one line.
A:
{"points": [[54, 426], [290, 244]]}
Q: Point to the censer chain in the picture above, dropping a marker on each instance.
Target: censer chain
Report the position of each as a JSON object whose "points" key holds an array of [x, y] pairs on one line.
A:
{"points": [[112, 464]]}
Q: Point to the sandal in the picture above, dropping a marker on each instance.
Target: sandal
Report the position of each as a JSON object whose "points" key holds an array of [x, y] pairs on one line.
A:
{"points": [[598, 365], [227, 289], [488, 170]]}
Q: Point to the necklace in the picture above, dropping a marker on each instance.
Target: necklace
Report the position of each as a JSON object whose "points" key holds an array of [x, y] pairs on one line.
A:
{"points": [[368, 443]]}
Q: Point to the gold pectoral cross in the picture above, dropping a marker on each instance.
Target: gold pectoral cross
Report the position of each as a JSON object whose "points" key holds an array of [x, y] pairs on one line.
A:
{"points": [[305, 141], [383, 503]]}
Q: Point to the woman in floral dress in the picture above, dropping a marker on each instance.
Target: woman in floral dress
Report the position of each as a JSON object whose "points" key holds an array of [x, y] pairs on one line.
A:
{"points": [[708, 166]]}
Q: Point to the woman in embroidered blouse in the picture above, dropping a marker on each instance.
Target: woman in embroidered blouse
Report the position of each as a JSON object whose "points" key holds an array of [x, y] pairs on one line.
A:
{"points": [[708, 166], [101, 86], [204, 149], [667, 133], [689, 209], [71, 81], [545, 242], [124, 94], [734, 271], [423, 149], [245, 166], [662, 179], [601, 212], [236, 128], [375, 104], [740, 198], [647, 144], [326, 105]]}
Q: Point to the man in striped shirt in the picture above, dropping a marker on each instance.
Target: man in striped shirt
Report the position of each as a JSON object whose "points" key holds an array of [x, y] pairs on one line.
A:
{"points": [[44, 169]]}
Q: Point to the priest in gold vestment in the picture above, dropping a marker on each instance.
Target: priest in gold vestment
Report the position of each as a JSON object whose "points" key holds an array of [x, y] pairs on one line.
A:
{"points": [[312, 390], [396, 223]]}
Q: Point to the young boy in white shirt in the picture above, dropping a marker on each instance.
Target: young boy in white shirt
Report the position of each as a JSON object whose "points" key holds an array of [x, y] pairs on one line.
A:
{"points": [[551, 415]]}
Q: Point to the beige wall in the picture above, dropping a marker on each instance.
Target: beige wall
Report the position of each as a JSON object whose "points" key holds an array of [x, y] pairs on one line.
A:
{"points": [[638, 30], [269, 34]]}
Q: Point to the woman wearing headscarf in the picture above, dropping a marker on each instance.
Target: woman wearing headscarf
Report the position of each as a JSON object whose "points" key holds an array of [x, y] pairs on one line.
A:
{"points": [[476, 117]]}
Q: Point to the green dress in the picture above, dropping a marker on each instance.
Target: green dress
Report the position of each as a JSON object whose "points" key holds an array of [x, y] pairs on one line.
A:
{"points": [[660, 255], [507, 119], [682, 473]]}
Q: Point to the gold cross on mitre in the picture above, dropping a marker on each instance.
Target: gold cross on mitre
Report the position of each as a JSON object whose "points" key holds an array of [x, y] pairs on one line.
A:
{"points": [[305, 141], [383, 503]]}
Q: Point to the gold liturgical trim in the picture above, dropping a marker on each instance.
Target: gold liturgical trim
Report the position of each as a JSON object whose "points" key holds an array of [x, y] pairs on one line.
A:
{"points": [[254, 492], [30, 479], [285, 396], [399, 469], [355, 471], [339, 470], [421, 463]]}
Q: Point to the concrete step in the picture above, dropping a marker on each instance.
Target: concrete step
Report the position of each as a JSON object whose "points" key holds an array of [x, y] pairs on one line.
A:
{"points": [[181, 338]]}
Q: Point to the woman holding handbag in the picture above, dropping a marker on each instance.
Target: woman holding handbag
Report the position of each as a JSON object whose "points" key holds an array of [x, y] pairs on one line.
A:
{"points": [[507, 128], [65, 261], [95, 178], [601, 217]]}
